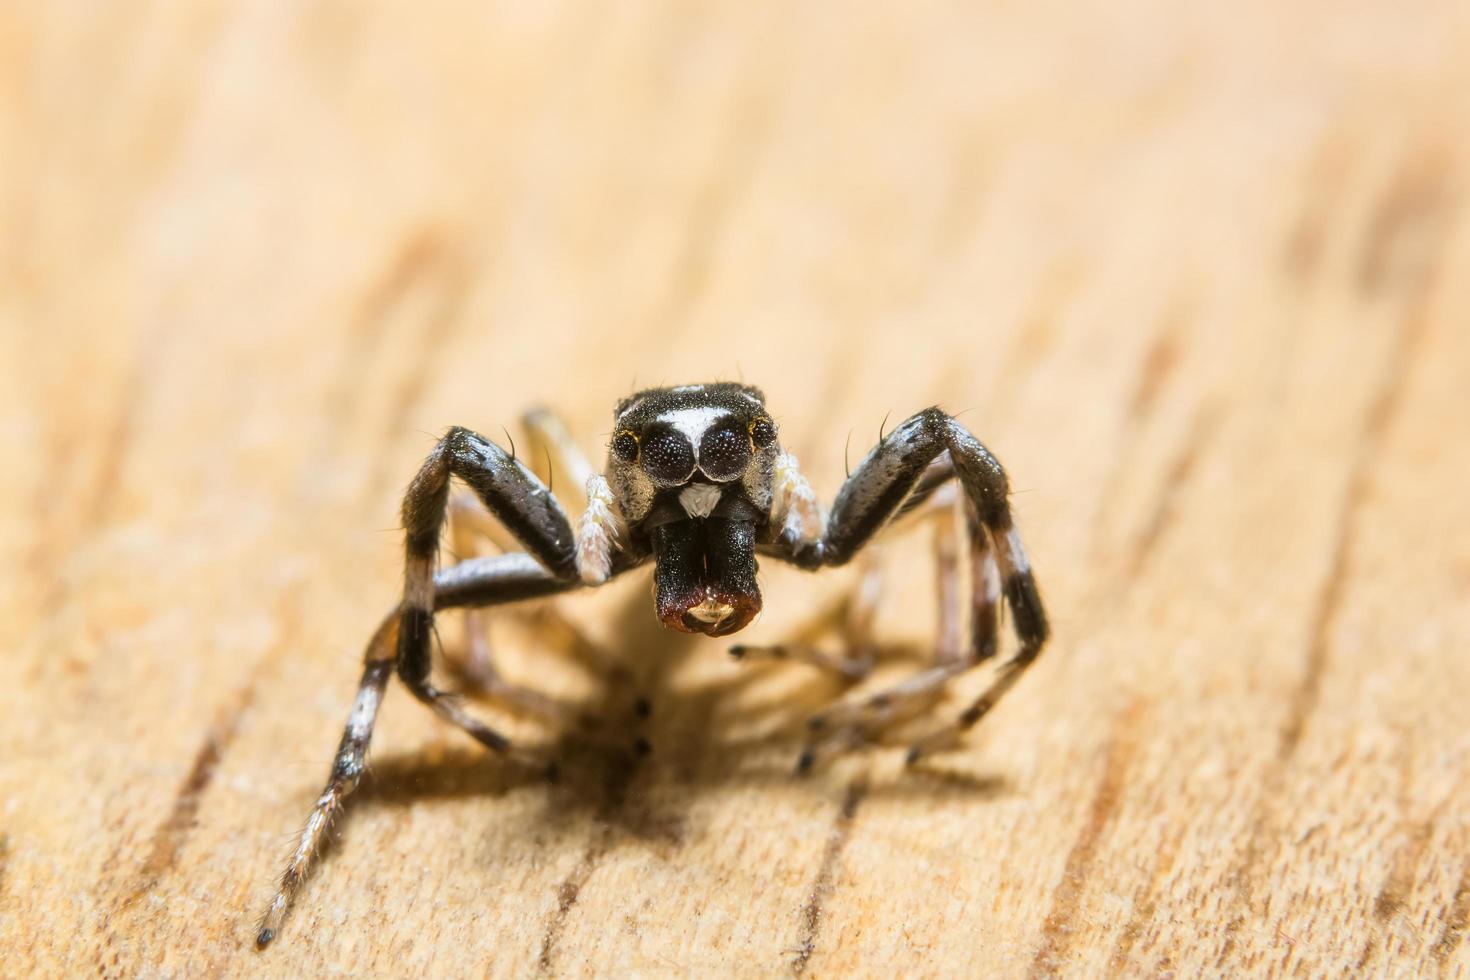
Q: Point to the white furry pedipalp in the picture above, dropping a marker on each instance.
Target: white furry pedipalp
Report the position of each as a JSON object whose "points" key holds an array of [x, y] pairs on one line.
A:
{"points": [[796, 507], [597, 532]]}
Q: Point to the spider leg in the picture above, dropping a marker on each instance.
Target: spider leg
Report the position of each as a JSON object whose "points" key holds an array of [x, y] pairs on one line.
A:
{"points": [[856, 721], [857, 612], [470, 525], [403, 641], [502, 578], [551, 438], [347, 768], [949, 645], [523, 506], [469, 522], [910, 462]]}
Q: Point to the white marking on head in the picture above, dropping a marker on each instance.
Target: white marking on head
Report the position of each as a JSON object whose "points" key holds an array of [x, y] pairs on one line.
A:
{"points": [[693, 423], [699, 499]]}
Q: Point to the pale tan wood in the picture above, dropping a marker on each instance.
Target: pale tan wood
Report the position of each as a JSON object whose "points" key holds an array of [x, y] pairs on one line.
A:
{"points": [[1196, 275]]}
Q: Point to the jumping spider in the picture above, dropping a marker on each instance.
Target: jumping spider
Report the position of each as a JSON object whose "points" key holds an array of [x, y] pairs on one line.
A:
{"points": [[696, 481]]}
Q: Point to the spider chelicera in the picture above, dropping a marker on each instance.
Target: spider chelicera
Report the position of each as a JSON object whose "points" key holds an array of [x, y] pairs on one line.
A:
{"points": [[697, 482]]}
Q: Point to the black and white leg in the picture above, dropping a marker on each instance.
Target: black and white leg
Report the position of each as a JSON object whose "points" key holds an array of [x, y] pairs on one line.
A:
{"points": [[911, 462], [347, 769], [519, 501], [471, 528], [470, 525], [403, 642]]}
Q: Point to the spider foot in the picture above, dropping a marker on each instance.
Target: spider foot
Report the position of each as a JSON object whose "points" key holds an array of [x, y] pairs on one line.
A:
{"points": [[822, 750], [943, 740]]}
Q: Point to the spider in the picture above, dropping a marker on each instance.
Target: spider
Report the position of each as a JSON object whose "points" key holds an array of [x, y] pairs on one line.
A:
{"points": [[697, 482]]}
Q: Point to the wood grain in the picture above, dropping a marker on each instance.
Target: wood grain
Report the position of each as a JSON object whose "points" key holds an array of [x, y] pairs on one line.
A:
{"points": [[1195, 274]]}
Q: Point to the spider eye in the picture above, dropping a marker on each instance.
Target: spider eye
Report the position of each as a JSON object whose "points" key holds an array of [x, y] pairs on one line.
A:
{"points": [[667, 456], [625, 446], [723, 455], [762, 433]]}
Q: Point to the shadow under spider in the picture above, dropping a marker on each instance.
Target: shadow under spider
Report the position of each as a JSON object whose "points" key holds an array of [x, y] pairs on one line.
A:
{"points": [[657, 743]]}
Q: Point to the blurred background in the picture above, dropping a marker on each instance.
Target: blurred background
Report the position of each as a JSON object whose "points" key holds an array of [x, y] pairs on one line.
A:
{"points": [[1194, 272]]}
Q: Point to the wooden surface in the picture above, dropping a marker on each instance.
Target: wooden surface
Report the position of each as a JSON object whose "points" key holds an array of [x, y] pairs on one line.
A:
{"points": [[1197, 276]]}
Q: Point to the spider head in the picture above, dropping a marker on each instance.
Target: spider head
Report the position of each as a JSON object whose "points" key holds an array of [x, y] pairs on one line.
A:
{"points": [[692, 470]]}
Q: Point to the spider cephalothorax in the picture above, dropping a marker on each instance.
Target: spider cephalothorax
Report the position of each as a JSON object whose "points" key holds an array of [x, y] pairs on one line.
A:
{"points": [[695, 482], [692, 470]]}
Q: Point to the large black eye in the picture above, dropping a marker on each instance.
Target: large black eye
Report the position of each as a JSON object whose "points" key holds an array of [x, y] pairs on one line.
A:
{"points": [[762, 433], [625, 446], [667, 456], [724, 452]]}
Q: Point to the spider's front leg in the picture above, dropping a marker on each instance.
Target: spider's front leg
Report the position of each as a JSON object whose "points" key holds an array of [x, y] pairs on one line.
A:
{"points": [[523, 506], [904, 467], [555, 561]]}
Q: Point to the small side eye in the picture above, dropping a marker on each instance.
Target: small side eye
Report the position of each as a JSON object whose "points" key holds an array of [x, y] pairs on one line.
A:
{"points": [[762, 433], [625, 446]]}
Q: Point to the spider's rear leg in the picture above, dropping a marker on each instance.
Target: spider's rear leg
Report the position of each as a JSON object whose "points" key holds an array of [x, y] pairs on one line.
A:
{"points": [[908, 464], [854, 618], [470, 527], [854, 723], [1024, 599]]}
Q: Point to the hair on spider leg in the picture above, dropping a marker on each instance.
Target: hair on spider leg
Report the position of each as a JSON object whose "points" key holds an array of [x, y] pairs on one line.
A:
{"points": [[708, 492]]}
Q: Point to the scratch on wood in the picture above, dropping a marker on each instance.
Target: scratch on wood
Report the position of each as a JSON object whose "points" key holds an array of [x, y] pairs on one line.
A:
{"points": [[1399, 249], [1159, 362], [1455, 919], [4, 859], [1304, 243], [1377, 420], [750, 131], [450, 289], [1176, 477], [827, 872], [1032, 341], [1057, 929], [174, 831], [413, 262], [117, 443], [112, 450], [1145, 905], [617, 778], [972, 172], [567, 894], [170, 836], [1393, 896], [448, 281]]}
